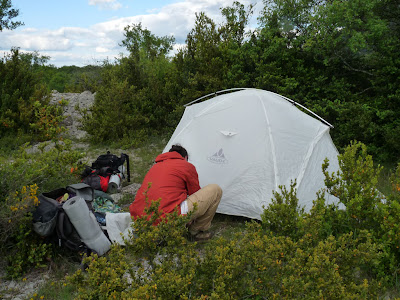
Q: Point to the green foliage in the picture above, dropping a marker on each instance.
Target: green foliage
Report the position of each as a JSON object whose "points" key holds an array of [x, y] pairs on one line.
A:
{"points": [[360, 209], [22, 247], [332, 56], [11, 142], [356, 186], [47, 169], [20, 91], [137, 106], [252, 264], [140, 40], [109, 119], [104, 278], [71, 79], [146, 237], [283, 215], [47, 125], [7, 13], [21, 178], [14, 213], [325, 219], [28, 251]]}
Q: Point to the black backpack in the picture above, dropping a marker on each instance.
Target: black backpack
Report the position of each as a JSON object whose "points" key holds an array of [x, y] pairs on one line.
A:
{"points": [[112, 162], [103, 167], [51, 222]]}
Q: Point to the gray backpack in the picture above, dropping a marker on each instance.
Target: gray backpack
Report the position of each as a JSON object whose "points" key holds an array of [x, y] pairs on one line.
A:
{"points": [[50, 220]]}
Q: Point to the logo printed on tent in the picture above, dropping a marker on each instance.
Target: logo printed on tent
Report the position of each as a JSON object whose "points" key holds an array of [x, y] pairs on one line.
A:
{"points": [[218, 157]]}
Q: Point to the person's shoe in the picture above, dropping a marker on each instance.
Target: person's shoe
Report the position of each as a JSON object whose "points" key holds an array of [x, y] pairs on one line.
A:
{"points": [[202, 236]]}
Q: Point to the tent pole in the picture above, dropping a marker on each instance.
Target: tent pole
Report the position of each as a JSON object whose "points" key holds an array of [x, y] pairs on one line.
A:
{"points": [[305, 108], [238, 89], [215, 94]]}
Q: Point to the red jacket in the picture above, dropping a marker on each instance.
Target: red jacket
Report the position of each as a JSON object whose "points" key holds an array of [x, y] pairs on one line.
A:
{"points": [[172, 178]]}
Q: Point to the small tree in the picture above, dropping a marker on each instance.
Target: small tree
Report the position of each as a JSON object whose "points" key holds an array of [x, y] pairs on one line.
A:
{"points": [[6, 14]]}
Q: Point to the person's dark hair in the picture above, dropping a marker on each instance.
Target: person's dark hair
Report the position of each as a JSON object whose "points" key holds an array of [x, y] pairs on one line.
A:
{"points": [[178, 148]]}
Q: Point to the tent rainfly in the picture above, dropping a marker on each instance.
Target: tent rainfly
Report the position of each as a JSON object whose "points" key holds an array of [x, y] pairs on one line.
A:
{"points": [[251, 141]]}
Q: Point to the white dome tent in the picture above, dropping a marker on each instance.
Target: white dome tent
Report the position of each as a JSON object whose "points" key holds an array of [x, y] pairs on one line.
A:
{"points": [[250, 141]]}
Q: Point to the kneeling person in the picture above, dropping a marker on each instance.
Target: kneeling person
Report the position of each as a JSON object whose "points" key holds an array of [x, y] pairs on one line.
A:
{"points": [[176, 182]]}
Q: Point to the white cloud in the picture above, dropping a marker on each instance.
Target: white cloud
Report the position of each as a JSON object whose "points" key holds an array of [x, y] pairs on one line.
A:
{"points": [[81, 46], [35, 40], [106, 4], [102, 50]]}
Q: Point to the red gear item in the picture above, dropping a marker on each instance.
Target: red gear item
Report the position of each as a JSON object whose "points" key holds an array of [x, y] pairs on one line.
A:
{"points": [[172, 179], [104, 183]]}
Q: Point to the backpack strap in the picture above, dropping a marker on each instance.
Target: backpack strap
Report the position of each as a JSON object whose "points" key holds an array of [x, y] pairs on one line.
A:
{"points": [[62, 238], [128, 171]]}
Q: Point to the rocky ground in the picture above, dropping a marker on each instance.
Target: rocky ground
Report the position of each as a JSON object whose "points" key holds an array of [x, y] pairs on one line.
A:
{"points": [[24, 288]]}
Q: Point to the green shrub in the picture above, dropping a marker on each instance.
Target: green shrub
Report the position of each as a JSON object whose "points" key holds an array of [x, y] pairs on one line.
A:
{"points": [[22, 178], [47, 121], [22, 248], [103, 278], [324, 220], [283, 215], [355, 184], [252, 264], [20, 88], [28, 251], [48, 169]]}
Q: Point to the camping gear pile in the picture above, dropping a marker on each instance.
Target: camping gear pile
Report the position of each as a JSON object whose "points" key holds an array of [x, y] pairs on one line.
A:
{"points": [[107, 172], [75, 217]]}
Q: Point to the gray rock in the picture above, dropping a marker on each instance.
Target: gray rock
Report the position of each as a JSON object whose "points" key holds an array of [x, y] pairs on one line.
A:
{"points": [[71, 111]]}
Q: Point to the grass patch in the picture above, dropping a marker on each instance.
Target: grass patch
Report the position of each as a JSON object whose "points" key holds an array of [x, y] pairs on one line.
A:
{"points": [[227, 226], [10, 143], [144, 158], [55, 290]]}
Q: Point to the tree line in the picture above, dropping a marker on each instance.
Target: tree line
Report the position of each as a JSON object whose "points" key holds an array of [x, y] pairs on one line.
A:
{"points": [[338, 58]]}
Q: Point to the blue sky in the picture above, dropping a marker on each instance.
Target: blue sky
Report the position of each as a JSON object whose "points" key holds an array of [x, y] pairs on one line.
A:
{"points": [[82, 32]]}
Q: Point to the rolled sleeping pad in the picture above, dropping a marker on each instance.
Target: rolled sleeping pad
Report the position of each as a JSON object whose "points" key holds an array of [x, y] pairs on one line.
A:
{"points": [[86, 225]]}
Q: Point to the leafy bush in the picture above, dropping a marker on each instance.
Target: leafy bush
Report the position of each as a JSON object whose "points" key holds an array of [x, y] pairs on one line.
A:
{"points": [[47, 121], [139, 105], [250, 265], [284, 216], [365, 209], [48, 169], [161, 263], [356, 187], [104, 278], [23, 249], [21, 178], [20, 89]]}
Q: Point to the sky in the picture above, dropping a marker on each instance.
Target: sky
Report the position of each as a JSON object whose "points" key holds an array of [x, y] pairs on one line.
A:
{"points": [[86, 32]]}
